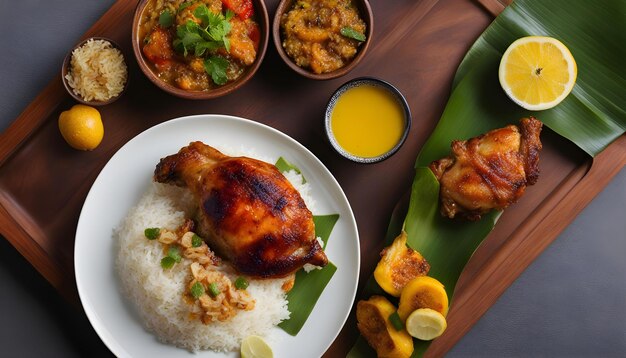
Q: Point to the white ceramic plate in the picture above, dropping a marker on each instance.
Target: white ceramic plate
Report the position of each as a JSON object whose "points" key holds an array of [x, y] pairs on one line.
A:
{"points": [[126, 177]]}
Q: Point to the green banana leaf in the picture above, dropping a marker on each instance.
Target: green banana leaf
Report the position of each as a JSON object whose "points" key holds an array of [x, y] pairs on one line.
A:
{"points": [[304, 295], [284, 166], [324, 225], [592, 116], [308, 287]]}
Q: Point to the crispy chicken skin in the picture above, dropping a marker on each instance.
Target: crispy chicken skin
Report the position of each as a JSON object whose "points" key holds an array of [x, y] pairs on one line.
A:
{"points": [[248, 212], [490, 171]]}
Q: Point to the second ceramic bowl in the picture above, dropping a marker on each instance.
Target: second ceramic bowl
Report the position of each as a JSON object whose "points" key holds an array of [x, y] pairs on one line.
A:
{"points": [[365, 12]]}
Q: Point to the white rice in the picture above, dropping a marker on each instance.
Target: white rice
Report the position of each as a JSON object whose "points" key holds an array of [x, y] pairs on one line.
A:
{"points": [[157, 294], [97, 71]]}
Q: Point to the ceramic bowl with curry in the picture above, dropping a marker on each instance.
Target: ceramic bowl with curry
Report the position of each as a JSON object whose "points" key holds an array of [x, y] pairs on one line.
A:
{"points": [[322, 39], [202, 49]]}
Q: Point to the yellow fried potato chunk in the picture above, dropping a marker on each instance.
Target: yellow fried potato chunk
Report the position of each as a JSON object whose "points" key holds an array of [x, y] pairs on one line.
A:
{"points": [[423, 292], [398, 265], [373, 322]]}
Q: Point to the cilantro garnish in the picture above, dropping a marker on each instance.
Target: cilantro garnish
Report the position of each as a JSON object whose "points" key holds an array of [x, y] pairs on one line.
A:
{"points": [[216, 67], [166, 19], [352, 33], [209, 35]]}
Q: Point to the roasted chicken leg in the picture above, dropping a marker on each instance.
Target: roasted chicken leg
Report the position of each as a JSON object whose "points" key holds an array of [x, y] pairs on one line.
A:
{"points": [[248, 211], [490, 171]]}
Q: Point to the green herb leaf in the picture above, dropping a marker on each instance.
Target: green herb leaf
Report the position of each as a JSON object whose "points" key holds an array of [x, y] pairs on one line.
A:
{"points": [[197, 290], [216, 67], [167, 262], [216, 25], [174, 253], [189, 26], [241, 283], [166, 19], [352, 33], [213, 289], [226, 43], [396, 322], [203, 14], [207, 46], [229, 15], [190, 39], [196, 241], [178, 46], [152, 233], [209, 36]]}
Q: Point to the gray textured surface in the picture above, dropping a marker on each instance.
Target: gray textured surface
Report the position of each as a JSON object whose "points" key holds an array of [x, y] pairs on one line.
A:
{"points": [[571, 302]]}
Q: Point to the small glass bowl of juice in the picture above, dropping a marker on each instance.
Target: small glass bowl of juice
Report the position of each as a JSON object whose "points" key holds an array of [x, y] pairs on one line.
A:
{"points": [[367, 120]]}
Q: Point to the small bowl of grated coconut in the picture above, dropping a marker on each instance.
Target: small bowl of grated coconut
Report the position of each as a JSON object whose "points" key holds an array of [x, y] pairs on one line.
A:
{"points": [[94, 72]]}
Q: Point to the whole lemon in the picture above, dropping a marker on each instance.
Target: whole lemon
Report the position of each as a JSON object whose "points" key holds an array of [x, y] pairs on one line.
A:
{"points": [[81, 127]]}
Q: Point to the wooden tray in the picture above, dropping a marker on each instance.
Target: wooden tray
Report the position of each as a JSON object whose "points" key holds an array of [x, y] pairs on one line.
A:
{"points": [[417, 46]]}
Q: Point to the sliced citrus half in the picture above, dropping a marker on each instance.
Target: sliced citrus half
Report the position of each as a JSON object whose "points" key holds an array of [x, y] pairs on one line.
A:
{"points": [[426, 324], [255, 347], [537, 72]]}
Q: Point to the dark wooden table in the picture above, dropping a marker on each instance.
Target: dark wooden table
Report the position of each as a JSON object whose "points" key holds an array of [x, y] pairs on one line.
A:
{"points": [[417, 46]]}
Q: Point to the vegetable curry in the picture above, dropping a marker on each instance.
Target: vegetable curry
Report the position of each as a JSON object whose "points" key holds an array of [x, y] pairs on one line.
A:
{"points": [[199, 45], [322, 35]]}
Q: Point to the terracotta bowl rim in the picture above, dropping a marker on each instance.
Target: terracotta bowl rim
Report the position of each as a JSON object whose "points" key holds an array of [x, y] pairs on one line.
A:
{"points": [[66, 66]]}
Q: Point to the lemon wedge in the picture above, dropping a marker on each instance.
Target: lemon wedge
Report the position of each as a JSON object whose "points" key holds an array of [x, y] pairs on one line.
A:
{"points": [[537, 72], [255, 347], [426, 324]]}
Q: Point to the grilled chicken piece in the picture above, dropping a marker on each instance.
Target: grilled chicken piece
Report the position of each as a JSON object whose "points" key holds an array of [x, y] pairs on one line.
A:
{"points": [[490, 171], [248, 211]]}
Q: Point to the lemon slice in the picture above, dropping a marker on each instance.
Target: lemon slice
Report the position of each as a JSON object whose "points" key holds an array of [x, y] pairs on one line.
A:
{"points": [[255, 347], [426, 324], [537, 72]]}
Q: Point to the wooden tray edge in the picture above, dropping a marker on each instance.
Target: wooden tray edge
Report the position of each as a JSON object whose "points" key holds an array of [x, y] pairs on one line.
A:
{"points": [[474, 306], [23, 127], [13, 138], [47, 266]]}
